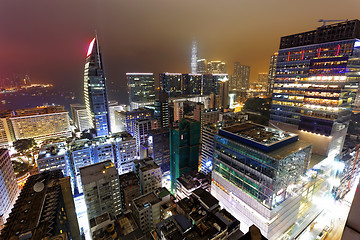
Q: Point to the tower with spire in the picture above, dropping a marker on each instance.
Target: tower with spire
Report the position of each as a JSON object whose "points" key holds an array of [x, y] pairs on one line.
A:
{"points": [[194, 57], [95, 90]]}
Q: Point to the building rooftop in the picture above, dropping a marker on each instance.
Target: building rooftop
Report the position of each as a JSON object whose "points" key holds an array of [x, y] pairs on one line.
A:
{"points": [[257, 136], [145, 164], [206, 199], [39, 111], [193, 180], [146, 200], [52, 150], [97, 171]]}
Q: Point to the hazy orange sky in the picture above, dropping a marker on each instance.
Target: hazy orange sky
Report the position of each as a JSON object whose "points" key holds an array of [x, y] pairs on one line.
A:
{"points": [[48, 39]]}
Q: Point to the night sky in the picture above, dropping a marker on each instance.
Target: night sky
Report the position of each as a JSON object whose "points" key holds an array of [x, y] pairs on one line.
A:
{"points": [[48, 39]]}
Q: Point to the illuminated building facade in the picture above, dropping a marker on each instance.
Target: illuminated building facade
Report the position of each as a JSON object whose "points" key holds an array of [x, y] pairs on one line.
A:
{"points": [[41, 123], [80, 117], [254, 168], [141, 87], [316, 82], [194, 56], [6, 133], [128, 118], [272, 72], [101, 189], [201, 66], [8, 186], [171, 83], [240, 80], [216, 67], [95, 90], [52, 157], [191, 84], [211, 83]]}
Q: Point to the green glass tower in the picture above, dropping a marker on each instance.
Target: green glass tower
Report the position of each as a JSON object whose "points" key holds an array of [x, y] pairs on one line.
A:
{"points": [[184, 149]]}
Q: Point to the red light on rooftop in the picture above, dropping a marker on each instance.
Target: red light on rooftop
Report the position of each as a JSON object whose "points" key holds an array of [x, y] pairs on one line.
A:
{"points": [[91, 45]]}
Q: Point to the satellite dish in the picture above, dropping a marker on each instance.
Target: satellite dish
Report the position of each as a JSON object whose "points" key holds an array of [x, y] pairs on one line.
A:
{"points": [[38, 187]]}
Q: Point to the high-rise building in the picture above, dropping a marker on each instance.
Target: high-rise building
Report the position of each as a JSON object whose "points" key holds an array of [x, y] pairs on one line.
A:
{"points": [[80, 116], [194, 56], [149, 174], [316, 82], [216, 67], [272, 72], [8, 186], [41, 123], [263, 78], [184, 149], [240, 80], [142, 127], [95, 90], [129, 118], [147, 209], [159, 144], [45, 209], [129, 189], [253, 167], [126, 152], [171, 83], [52, 157], [161, 112], [6, 133], [115, 106], [101, 189], [141, 87], [224, 92], [201, 66], [191, 83]]}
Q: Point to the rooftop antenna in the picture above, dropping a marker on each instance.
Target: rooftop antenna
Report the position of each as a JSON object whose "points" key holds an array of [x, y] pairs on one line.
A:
{"points": [[325, 21]]}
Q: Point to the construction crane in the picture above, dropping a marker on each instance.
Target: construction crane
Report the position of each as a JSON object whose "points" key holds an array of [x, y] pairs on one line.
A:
{"points": [[325, 21]]}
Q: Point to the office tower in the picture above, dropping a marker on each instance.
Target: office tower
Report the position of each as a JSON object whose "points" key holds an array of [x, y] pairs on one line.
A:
{"points": [[263, 78], [136, 105], [178, 111], [149, 174], [147, 209], [115, 106], [272, 72], [52, 157], [191, 83], [216, 67], [240, 80], [6, 133], [80, 116], [126, 152], [159, 144], [101, 189], [209, 84], [80, 155], [207, 148], [194, 56], [189, 182], [224, 92], [253, 167], [141, 129], [41, 123], [129, 189], [129, 118], [170, 83], [161, 112], [184, 149], [45, 209], [95, 90], [316, 83], [141, 87], [201, 66], [8, 186], [103, 150]]}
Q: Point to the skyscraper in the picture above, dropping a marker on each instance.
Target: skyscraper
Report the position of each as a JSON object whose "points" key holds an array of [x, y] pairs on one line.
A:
{"points": [[171, 83], [272, 72], [216, 67], [194, 57], [8, 186], [316, 82], [201, 66], [141, 87], [184, 149], [191, 83], [95, 90], [240, 80]]}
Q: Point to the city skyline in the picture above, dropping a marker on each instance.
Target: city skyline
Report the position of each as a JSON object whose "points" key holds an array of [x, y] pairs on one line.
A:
{"points": [[29, 47]]}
